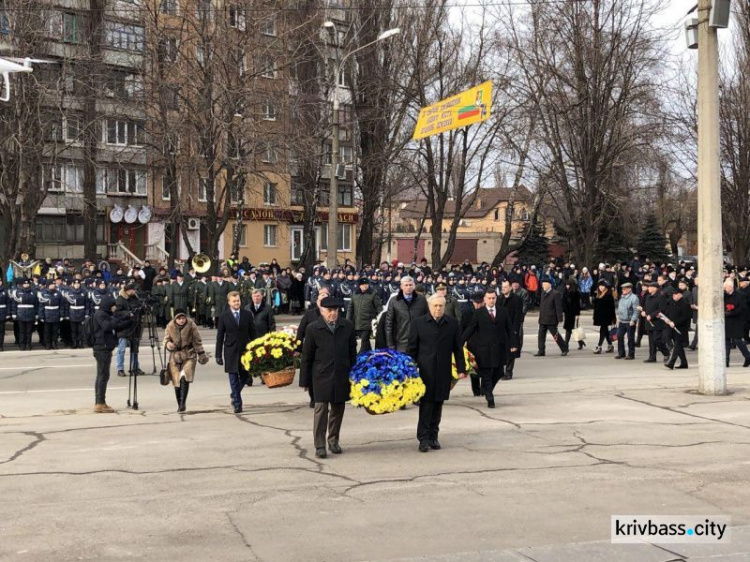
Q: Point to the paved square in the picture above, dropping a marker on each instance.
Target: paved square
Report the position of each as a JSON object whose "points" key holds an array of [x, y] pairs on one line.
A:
{"points": [[572, 441]]}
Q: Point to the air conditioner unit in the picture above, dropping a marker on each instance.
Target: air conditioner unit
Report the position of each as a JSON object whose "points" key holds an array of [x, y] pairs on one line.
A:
{"points": [[341, 171], [193, 224]]}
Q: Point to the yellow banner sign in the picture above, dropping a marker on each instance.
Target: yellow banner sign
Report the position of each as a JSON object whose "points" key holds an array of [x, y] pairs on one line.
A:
{"points": [[466, 108]]}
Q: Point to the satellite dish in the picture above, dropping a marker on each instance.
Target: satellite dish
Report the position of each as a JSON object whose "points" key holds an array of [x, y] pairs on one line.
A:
{"points": [[131, 215], [144, 215], [116, 214]]}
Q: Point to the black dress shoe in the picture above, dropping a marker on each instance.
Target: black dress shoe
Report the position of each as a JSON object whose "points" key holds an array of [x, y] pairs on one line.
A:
{"points": [[435, 444], [539, 355], [564, 353], [423, 447], [668, 366], [238, 409], [312, 403], [335, 449], [491, 403], [682, 366], [629, 358], [746, 363], [650, 360], [477, 393], [619, 357], [692, 347], [506, 377], [321, 453]]}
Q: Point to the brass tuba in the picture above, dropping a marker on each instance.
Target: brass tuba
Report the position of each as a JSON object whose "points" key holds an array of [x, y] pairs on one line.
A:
{"points": [[201, 263]]}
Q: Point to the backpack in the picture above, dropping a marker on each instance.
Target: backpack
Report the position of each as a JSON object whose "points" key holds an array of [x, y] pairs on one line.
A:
{"points": [[89, 331]]}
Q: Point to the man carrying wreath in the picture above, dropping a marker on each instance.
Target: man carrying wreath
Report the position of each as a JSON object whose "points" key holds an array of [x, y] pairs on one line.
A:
{"points": [[432, 339]]}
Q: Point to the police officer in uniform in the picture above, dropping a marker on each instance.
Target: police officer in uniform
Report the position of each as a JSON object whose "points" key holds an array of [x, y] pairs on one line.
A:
{"points": [[77, 313], [24, 310], [51, 311]]}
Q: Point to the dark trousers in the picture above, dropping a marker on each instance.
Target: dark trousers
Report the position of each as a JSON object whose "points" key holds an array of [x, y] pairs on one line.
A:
{"points": [[604, 336], [76, 334], [237, 382], [624, 328], [641, 329], [65, 332], [430, 414], [476, 385], [103, 363], [520, 340], [695, 337], [656, 343], [552, 329], [328, 417], [678, 351], [24, 333], [51, 334], [489, 377], [365, 335], [740, 344]]}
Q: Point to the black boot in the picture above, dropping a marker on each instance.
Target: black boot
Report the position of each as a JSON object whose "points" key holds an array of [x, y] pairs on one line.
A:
{"points": [[177, 396], [184, 388]]}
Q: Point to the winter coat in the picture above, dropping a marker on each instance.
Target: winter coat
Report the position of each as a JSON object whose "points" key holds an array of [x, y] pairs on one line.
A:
{"points": [[78, 308], [604, 309], [179, 296], [399, 317], [679, 312], [735, 309], [5, 305], [126, 305], [571, 308], [363, 309], [453, 308], [232, 340], [106, 325], [310, 316], [217, 293], [652, 306], [327, 359], [263, 319], [550, 308], [494, 338], [627, 308], [431, 344], [189, 346], [52, 306], [24, 306]]}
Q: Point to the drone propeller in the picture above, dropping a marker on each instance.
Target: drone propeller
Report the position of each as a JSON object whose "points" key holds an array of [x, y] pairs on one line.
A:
{"points": [[29, 61]]}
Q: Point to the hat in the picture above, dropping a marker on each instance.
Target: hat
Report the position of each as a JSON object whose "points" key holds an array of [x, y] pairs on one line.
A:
{"points": [[744, 279], [180, 274], [130, 287], [180, 312], [25, 280], [652, 284], [603, 283], [362, 280], [546, 279], [477, 297], [440, 286], [628, 284], [330, 302]]}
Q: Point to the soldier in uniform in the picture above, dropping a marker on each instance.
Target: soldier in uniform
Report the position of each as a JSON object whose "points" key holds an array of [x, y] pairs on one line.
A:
{"points": [[24, 310], [77, 313], [178, 297], [218, 295], [159, 292]]}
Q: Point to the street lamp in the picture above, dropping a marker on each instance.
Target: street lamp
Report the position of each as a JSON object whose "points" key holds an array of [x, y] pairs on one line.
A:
{"points": [[333, 213]]}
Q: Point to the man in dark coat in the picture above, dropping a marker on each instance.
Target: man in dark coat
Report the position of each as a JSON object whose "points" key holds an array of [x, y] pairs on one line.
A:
{"points": [[550, 315], [477, 302], [310, 316], [735, 308], [105, 329], [328, 355], [179, 296], [235, 330], [654, 303], [433, 338], [262, 312], [495, 341], [513, 305], [402, 310], [363, 308], [679, 314]]}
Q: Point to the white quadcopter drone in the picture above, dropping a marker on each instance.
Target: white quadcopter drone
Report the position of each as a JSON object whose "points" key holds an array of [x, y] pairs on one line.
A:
{"points": [[10, 64]]}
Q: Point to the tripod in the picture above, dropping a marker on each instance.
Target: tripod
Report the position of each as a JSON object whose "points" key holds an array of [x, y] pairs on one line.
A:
{"points": [[134, 367]]}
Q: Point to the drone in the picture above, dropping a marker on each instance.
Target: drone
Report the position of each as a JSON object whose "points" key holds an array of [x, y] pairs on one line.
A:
{"points": [[11, 64]]}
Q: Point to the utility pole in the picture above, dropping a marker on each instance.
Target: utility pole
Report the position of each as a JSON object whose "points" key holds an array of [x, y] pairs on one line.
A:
{"points": [[711, 354]]}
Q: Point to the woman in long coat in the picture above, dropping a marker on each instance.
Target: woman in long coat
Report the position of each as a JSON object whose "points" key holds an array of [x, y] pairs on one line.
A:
{"points": [[182, 339], [571, 310], [604, 314]]}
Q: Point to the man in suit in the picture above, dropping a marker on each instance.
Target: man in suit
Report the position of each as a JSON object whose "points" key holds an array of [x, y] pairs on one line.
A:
{"points": [[433, 338], [495, 338], [263, 317], [550, 315], [235, 330], [328, 355], [311, 315], [477, 302], [513, 305]]}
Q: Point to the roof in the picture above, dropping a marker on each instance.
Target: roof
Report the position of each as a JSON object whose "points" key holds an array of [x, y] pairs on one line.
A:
{"points": [[477, 204]]}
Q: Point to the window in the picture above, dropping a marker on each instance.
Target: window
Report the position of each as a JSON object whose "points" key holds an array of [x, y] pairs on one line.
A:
{"points": [[137, 133], [74, 28], [342, 77], [4, 23], [267, 67], [234, 191], [125, 37], [125, 85], [237, 17], [121, 181], [64, 229], [203, 10], [202, 54], [297, 196], [344, 237], [269, 27], [243, 233], [269, 154], [269, 111], [72, 128], [63, 178], [346, 155], [117, 132], [170, 7], [345, 195], [269, 193], [168, 50], [497, 214], [293, 163], [269, 235], [203, 189], [235, 149], [171, 97], [240, 58], [54, 130], [166, 193], [53, 178], [50, 229]]}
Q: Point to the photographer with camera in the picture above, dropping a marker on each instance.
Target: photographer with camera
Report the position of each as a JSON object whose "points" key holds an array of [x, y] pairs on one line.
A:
{"points": [[128, 304], [105, 328]]}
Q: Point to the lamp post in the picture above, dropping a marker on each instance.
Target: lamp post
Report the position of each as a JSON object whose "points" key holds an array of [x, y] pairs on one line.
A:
{"points": [[333, 212]]}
